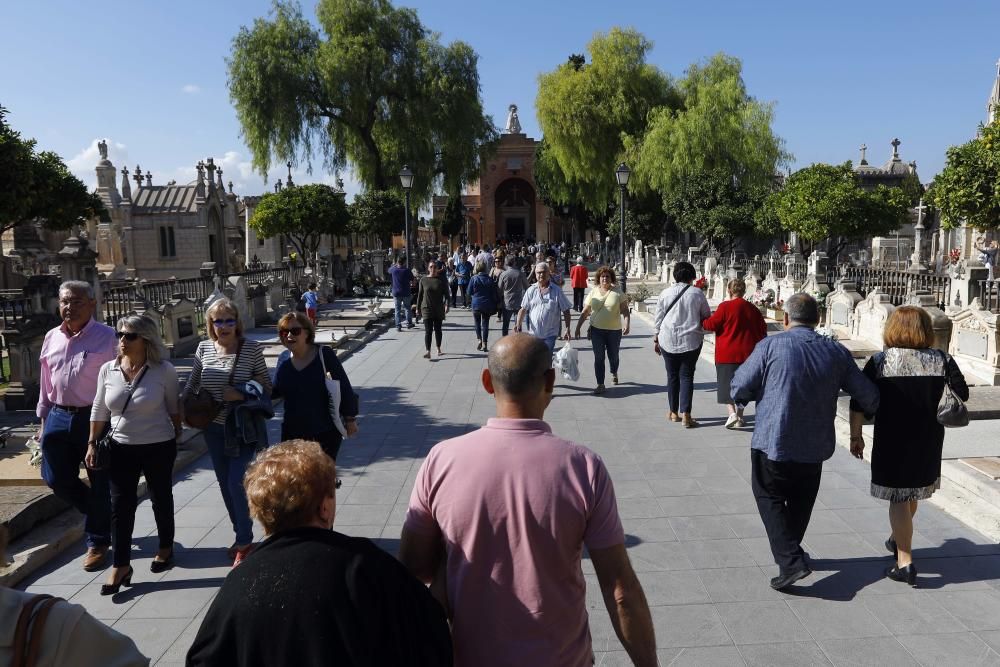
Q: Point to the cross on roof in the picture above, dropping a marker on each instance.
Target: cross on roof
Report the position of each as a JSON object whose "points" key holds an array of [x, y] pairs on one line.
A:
{"points": [[863, 149], [895, 148]]}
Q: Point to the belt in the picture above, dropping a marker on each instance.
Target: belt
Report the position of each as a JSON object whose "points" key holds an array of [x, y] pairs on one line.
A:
{"points": [[72, 409]]}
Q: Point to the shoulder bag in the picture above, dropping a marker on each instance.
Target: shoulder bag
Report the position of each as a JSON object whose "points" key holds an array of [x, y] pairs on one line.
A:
{"points": [[102, 448], [333, 394], [29, 630], [656, 341], [951, 411], [201, 408]]}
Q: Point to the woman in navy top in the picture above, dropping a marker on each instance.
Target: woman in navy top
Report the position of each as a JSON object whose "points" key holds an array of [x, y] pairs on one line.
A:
{"points": [[299, 379], [484, 302]]}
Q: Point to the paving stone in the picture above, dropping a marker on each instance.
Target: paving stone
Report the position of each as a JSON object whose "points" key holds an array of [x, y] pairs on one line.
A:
{"points": [[791, 654], [837, 619], [761, 622], [962, 648], [688, 626]]}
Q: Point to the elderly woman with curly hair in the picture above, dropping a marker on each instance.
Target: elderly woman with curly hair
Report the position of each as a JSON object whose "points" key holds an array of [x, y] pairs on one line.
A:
{"points": [[606, 306], [309, 595]]}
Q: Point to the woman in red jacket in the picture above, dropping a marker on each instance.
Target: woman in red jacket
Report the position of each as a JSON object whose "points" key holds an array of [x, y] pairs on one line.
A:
{"points": [[738, 327]]}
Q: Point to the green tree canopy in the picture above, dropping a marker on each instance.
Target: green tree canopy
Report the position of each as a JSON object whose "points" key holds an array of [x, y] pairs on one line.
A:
{"points": [[38, 185], [453, 221], [372, 88], [303, 213], [969, 185], [719, 129], [378, 212], [825, 201], [715, 204], [589, 112]]}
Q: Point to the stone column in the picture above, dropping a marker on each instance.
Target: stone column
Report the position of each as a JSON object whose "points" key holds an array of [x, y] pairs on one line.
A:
{"points": [[24, 343]]}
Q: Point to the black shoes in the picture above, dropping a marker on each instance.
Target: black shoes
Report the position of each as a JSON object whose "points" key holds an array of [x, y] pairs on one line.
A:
{"points": [[890, 546], [158, 566], [111, 589], [785, 580], [906, 574]]}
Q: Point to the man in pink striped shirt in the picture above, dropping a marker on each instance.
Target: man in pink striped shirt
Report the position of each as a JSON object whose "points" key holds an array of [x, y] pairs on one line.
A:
{"points": [[71, 358]]}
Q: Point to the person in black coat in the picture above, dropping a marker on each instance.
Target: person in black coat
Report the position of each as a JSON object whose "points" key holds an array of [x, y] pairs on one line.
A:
{"points": [[906, 455], [309, 595]]}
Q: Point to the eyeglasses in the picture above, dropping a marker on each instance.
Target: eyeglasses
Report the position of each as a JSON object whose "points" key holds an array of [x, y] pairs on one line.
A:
{"points": [[294, 331], [130, 336], [225, 323]]}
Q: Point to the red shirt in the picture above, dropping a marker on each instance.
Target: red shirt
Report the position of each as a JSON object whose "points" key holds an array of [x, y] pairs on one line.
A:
{"points": [[738, 327], [578, 276]]}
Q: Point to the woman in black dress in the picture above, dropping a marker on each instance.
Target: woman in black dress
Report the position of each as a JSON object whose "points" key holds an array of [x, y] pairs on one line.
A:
{"points": [[906, 454]]}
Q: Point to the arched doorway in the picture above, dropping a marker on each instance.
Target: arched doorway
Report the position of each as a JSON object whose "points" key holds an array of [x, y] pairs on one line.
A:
{"points": [[515, 209]]}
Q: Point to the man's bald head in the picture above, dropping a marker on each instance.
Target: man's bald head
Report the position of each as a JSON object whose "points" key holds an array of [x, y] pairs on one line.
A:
{"points": [[517, 365]]}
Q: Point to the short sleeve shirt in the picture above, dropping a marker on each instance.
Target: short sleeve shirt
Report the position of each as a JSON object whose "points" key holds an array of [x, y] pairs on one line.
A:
{"points": [[544, 310], [515, 506]]}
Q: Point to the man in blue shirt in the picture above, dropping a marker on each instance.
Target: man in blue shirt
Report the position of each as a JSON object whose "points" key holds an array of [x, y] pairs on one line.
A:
{"points": [[795, 378], [311, 299], [401, 293]]}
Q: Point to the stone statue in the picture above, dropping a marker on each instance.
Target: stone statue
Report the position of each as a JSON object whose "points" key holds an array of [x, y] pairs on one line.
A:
{"points": [[513, 124], [102, 148]]}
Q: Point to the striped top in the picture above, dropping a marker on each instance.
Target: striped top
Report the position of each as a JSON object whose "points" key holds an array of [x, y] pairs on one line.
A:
{"points": [[211, 371]]}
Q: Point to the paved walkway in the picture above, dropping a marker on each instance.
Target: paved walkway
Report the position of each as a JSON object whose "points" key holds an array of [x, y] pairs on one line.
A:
{"points": [[692, 528]]}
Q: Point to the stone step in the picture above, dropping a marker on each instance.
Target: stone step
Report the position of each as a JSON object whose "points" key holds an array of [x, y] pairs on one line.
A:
{"points": [[989, 466]]}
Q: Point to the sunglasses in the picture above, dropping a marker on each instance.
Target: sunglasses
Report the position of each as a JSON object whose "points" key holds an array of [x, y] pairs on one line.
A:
{"points": [[224, 323], [294, 331], [130, 336]]}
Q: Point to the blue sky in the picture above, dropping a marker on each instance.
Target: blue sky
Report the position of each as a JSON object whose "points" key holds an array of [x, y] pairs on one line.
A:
{"points": [[151, 76]]}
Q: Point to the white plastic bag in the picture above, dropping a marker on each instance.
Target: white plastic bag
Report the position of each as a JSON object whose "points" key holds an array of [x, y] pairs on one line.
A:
{"points": [[566, 361]]}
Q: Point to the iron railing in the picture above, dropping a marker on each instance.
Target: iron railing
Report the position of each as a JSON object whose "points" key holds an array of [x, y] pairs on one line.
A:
{"points": [[898, 284]]}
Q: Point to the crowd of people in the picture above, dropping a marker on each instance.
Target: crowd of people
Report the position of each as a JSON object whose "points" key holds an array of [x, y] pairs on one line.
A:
{"points": [[489, 541]]}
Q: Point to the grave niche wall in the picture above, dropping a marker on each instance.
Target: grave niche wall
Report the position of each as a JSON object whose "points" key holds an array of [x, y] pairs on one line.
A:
{"points": [[974, 344]]}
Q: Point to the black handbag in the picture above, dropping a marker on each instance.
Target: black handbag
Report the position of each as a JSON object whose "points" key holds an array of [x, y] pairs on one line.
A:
{"points": [[102, 449], [951, 411]]}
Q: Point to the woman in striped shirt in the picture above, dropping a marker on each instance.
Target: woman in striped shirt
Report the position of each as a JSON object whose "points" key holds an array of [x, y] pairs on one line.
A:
{"points": [[213, 367]]}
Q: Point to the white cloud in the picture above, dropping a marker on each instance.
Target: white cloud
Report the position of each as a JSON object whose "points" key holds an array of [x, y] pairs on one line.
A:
{"points": [[191, 89], [82, 164]]}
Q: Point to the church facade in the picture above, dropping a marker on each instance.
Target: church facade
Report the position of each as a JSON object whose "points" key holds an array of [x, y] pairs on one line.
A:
{"points": [[503, 205]]}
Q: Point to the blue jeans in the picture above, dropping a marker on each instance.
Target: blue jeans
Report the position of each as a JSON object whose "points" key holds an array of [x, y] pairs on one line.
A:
{"points": [[680, 378], [505, 319], [64, 444], [550, 342], [229, 471], [482, 320], [605, 341], [402, 305]]}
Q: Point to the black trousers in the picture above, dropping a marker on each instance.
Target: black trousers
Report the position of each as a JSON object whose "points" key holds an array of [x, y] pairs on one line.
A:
{"points": [[785, 492], [454, 293], [156, 462], [505, 317], [578, 298], [429, 326]]}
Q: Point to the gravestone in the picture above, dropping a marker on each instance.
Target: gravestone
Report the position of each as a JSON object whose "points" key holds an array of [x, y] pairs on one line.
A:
{"points": [[772, 284], [788, 285], [24, 343], [277, 306], [840, 306], [236, 290], [870, 316], [939, 320], [974, 344], [752, 282], [258, 304], [178, 324]]}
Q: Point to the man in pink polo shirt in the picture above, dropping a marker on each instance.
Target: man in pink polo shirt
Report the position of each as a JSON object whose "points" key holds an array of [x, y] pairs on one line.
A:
{"points": [[71, 359], [499, 517]]}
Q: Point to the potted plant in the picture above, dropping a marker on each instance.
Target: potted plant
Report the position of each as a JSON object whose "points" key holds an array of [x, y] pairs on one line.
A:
{"points": [[639, 297]]}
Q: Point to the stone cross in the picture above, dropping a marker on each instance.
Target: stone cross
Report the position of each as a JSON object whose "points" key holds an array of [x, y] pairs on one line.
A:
{"points": [[138, 176], [895, 148]]}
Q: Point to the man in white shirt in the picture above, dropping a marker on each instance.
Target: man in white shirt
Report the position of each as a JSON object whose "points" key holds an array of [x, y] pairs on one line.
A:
{"points": [[541, 306]]}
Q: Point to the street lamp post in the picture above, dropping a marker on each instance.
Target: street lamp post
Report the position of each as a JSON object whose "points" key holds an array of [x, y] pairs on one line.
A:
{"points": [[482, 241], [622, 174], [406, 180]]}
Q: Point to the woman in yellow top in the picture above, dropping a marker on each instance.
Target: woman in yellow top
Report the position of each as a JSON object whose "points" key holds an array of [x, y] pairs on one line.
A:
{"points": [[606, 305]]}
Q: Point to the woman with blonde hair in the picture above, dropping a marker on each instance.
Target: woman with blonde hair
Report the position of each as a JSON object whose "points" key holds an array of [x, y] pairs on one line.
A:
{"points": [[223, 361], [738, 327], [309, 595], [137, 394], [906, 452], [300, 379]]}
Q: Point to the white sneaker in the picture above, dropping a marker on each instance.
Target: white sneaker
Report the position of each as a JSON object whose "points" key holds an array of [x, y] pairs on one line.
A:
{"points": [[732, 421]]}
